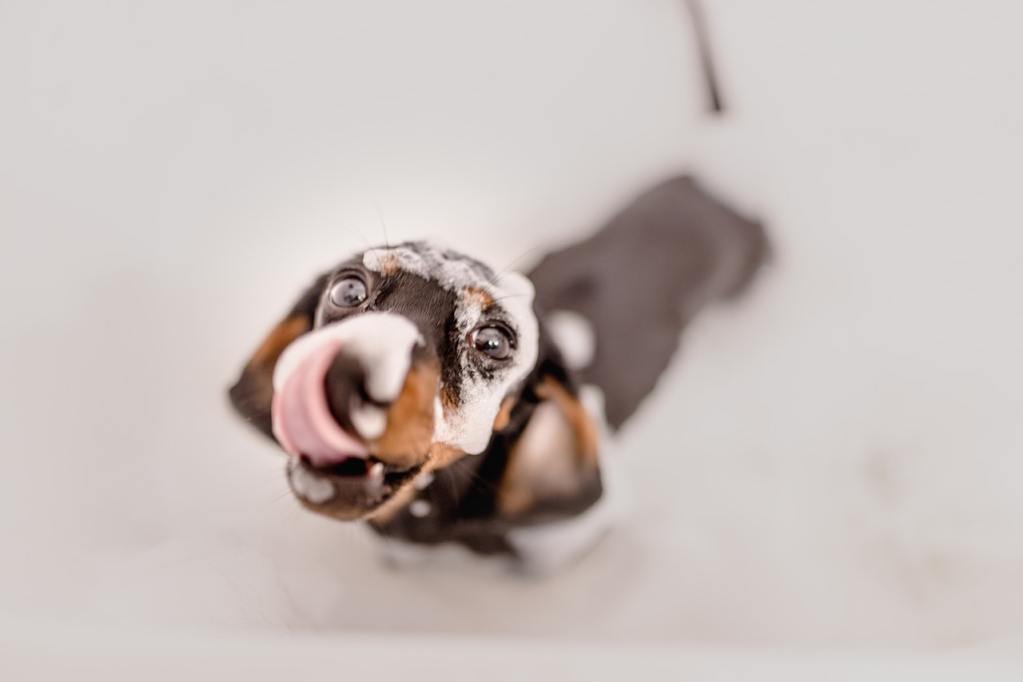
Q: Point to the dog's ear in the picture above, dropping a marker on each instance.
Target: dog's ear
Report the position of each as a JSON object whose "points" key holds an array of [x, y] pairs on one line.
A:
{"points": [[642, 277], [549, 442], [252, 392]]}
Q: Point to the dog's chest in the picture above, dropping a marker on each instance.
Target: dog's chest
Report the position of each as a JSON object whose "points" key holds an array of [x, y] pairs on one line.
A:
{"points": [[453, 514]]}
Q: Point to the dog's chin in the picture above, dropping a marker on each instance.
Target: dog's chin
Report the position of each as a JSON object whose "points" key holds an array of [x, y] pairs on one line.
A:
{"points": [[350, 490]]}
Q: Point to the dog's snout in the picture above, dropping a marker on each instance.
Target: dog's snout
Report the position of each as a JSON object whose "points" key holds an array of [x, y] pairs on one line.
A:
{"points": [[334, 388], [349, 400]]}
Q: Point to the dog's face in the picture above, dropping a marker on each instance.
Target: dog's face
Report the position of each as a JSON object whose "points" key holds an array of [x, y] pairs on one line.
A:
{"points": [[396, 363]]}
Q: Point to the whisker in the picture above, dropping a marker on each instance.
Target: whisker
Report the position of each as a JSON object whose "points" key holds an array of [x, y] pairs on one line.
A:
{"points": [[452, 485], [514, 261], [276, 499], [506, 296], [362, 235], [383, 224], [476, 478]]}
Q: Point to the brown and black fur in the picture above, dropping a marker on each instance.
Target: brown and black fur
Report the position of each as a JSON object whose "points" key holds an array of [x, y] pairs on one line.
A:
{"points": [[639, 280]]}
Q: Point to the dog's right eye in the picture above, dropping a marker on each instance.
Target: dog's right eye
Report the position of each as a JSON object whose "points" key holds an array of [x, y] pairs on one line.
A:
{"points": [[348, 292]]}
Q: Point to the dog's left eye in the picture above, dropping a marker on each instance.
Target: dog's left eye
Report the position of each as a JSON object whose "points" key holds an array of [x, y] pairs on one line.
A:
{"points": [[492, 341], [348, 292]]}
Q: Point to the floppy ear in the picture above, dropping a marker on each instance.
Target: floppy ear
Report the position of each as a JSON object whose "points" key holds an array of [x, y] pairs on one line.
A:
{"points": [[251, 394], [642, 277], [549, 445]]}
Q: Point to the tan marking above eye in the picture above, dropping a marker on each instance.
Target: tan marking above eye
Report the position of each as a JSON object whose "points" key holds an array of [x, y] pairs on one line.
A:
{"points": [[388, 264], [480, 296]]}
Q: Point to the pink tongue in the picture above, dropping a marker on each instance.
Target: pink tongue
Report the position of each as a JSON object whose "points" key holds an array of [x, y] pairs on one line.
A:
{"points": [[301, 417]]}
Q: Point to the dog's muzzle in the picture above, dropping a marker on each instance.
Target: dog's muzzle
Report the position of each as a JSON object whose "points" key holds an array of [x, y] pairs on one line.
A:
{"points": [[332, 411]]}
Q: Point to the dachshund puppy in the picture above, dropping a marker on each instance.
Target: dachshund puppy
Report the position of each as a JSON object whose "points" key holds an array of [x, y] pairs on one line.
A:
{"points": [[415, 388]]}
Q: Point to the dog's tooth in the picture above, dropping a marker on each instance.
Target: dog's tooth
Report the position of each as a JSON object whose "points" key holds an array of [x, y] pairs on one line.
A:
{"points": [[375, 480]]}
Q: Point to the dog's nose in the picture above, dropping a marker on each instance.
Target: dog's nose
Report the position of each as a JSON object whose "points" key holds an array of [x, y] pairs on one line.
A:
{"points": [[332, 386], [300, 413], [349, 400]]}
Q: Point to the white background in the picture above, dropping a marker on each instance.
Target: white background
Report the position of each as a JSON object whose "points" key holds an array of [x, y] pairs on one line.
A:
{"points": [[834, 463]]}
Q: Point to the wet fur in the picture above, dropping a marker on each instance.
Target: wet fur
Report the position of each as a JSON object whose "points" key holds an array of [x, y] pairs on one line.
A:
{"points": [[691, 250]]}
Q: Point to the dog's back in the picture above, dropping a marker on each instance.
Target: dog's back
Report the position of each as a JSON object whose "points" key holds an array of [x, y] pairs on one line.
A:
{"points": [[643, 276]]}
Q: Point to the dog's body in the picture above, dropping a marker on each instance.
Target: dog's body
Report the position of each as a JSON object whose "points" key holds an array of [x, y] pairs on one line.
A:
{"points": [[444, 403]]}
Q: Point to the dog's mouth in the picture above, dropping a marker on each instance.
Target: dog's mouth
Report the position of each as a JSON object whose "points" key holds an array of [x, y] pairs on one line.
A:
{"points": [[352, 444], [349, 489]]}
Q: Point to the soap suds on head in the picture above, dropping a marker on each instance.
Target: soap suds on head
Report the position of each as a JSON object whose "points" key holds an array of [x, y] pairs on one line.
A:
{"points": [[452, 270], [467, 424]]}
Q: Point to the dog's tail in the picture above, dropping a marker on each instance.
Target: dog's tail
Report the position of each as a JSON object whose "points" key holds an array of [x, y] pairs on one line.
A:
{"points": [[643, 276]]}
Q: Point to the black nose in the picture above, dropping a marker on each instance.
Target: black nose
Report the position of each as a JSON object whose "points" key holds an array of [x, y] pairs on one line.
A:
{"points": [[345, 384]]}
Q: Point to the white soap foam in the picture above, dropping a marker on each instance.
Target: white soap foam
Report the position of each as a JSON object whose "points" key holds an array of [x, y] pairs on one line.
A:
{"points": [[453, 271], [308, 485], [468, 427], [382, 342], [574, 337]]}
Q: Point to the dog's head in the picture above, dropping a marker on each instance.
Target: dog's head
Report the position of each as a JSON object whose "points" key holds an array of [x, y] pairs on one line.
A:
{"points": [[397, 362], [404, 359]]}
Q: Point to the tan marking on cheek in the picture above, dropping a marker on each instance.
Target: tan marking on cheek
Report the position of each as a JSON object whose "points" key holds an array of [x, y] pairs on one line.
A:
{"points": [[504, 414], [440, 456], [253, 391], [280, 336], [409, 434]]}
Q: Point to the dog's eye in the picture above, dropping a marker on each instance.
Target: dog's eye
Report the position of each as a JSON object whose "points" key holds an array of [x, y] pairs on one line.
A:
{"points": [[494, 342], [348, 292]]}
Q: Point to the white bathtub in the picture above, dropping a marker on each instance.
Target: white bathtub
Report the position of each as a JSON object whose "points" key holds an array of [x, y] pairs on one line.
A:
{"points": [[825, 486]]}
